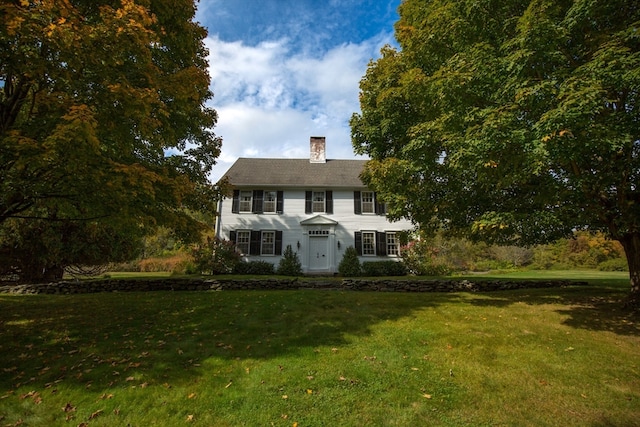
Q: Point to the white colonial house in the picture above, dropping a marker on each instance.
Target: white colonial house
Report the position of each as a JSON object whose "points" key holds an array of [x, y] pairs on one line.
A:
{"points": [[318, 206]]}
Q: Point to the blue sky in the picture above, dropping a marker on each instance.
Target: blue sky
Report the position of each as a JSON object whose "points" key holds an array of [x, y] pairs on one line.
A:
{"points": [[285, 70]]}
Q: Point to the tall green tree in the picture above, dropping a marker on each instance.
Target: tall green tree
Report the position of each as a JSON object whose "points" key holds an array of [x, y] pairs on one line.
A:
{"points": [[512, 121], [103, 115]]}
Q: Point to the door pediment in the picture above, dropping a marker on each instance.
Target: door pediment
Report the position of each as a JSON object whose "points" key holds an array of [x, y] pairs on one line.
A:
{"points": [[318, 220]]}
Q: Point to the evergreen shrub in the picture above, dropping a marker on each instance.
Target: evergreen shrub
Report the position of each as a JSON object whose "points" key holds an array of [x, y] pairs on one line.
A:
{"points": [[350, 264], [289, 264]]}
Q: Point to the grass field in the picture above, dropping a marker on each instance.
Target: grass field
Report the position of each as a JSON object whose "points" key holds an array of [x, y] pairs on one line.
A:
{"points": [[565, 357]]}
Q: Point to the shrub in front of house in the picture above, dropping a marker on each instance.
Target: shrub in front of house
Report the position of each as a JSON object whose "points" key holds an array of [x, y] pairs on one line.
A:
{"points": [[260, 268], [350, 264], [383, 268], [421, 259], [215, 256], [289, 264]]}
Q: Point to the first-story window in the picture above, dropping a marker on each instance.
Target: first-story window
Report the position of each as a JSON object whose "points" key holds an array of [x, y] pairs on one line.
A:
{"points": [[377, 243], [392, 243], [243, 238], [268, 243], [368, 243], [246, 201]]}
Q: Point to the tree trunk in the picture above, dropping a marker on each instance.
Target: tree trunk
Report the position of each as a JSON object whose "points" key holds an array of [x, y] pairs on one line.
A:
{"points": [[631, 244]]}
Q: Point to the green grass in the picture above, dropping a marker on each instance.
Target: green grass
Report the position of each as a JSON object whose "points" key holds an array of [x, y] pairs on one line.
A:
{"points": [[322, 358]]}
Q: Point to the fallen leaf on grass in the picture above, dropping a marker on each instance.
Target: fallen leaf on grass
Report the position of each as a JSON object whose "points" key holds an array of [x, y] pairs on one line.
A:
{"points": [[190, 417], [30, 394], [69, 407], [426, 396], [309, 391], [96, 414], [191, 396]]}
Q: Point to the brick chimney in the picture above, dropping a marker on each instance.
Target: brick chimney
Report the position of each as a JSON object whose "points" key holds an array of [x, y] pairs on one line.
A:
{"points": [[318, 150]]}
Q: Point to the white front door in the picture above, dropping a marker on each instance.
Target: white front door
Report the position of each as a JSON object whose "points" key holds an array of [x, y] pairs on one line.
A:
{"points": [[318, 253]]}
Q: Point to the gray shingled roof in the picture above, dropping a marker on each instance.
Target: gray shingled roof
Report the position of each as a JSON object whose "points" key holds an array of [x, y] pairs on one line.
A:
{"points": [[295, 173]]}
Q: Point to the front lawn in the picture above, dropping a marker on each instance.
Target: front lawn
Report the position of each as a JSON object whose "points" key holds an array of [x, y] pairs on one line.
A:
{"points": [[321, 358]]}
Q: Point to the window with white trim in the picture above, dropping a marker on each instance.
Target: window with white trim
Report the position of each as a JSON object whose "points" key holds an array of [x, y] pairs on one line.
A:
{"points": [[268, 243], [368, 202], [270, 201], [246, 199], [243, 237], [392, 243], [318, 201], [368, 243]]}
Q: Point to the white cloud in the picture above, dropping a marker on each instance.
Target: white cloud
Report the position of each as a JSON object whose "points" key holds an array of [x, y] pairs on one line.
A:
{"points": [[270, 101]]}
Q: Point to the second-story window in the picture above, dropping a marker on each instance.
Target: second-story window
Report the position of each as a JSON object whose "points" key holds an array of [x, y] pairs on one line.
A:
{"points": [[318, 201], [246, 201], [368, 202], [270, 201]]}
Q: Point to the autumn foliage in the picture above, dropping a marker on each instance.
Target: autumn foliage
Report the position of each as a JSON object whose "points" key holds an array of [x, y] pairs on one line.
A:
{"points": [[103, 120]]}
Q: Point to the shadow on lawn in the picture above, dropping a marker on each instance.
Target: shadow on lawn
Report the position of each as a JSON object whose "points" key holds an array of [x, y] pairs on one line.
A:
{"points": [[106, 341], [596, 308]]}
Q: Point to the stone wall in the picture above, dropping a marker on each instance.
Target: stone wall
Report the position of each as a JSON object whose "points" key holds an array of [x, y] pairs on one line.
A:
{"points": [[181, 284]]}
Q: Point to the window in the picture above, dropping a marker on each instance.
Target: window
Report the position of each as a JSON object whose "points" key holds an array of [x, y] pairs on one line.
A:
{"points": [[270, 201], [392, 243], [268, 243], [368, 204], [242, 241], [245, 201], [318, 201], [368, 243]]}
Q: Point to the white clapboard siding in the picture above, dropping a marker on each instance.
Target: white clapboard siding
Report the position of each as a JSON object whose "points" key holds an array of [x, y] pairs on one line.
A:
{"points": [[298, 236]]}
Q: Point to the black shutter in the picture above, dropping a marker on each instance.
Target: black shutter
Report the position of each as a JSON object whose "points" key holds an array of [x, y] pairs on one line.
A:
{"points": [[232, 236], [258, 196], [255, 242], [381, 243], [328, 207], [308, 202], [358, 242], [379, 206], [357, 203], [235, 204], [280, 202], [278, 248]]}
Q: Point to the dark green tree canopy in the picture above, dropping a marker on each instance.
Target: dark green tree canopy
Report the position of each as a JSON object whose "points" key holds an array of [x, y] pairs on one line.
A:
{"points": [[511, 121], [103, 115]]}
